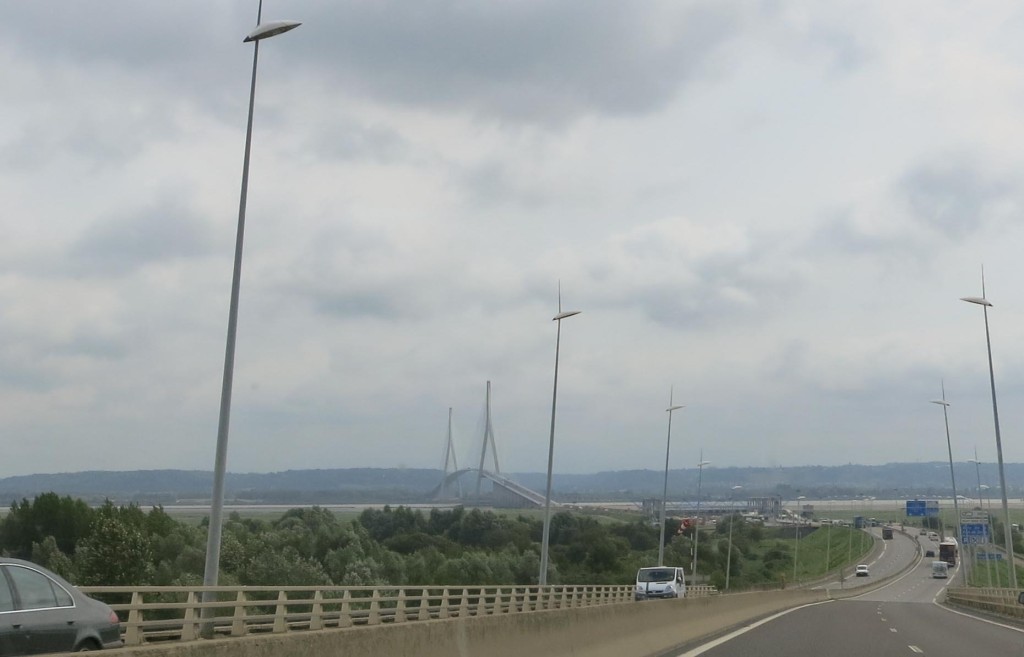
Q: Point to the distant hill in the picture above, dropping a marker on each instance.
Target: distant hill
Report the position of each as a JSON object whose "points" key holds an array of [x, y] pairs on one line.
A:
{"points": [[410, 485], [183, 486]]}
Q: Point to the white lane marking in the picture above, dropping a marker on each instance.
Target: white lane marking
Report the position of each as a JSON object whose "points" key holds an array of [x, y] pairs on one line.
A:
{"points": [[915, 649], [700, 650], [893, 630]]}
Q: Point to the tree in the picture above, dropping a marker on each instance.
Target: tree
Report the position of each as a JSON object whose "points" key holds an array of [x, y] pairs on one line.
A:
{"points": [[116, 553], [48, 555], [66, 519]]}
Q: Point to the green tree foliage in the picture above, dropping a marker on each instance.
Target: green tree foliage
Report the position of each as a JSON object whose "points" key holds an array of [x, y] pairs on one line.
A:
{"points": [[48, 555], [117, 551], [125, 545], [66, 519]]}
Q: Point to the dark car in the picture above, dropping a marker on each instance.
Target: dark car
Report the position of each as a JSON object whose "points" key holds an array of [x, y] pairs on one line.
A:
{"points": [[41, 612], [929, 553]]}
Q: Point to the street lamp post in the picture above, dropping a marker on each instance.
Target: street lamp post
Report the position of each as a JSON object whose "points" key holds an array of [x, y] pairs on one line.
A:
{"points": [[732, 521], [211, 571], [988, 519], [949, 448], [664, 491], [543, 578], [696, 524], [796, 550], [849, 552], [1008, 529], [828, 538]]}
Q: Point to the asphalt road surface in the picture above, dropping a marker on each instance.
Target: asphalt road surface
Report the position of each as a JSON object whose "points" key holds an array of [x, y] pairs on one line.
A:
{"points": [[901, 618]]}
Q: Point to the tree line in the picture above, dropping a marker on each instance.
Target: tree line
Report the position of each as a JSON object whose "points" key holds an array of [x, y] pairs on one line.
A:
{"points": [[128, 546]]}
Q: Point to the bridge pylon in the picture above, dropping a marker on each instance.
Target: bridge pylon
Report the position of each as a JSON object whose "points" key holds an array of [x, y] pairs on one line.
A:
{"points": [[452, 460], [488, 439]]}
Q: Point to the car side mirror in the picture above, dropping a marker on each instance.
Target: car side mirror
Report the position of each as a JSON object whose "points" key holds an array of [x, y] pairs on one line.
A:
{"points": [[1020, 598]]}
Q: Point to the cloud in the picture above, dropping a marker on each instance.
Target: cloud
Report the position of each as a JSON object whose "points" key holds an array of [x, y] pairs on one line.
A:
{"points": [[684, 274], [121, 244], [957, 198], [529, 62]]}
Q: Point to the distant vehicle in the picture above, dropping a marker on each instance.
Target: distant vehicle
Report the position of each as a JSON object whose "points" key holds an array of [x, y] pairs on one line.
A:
{"points": [[933, 536], [858, 522], [940, 570], [923, 532], [947, 551], [660, 582], [862, 571], [886, 533], [929, 553], [40, 612]]}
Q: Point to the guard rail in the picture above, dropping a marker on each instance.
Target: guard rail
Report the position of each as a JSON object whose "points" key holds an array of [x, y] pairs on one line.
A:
{"points": [[997, 601], [173, 613]]}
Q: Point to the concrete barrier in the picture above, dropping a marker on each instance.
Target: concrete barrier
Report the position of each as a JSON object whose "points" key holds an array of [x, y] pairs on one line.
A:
{"points": [[634, 629]]}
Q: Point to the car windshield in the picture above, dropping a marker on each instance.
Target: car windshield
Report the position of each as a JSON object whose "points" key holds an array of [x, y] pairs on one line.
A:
{"points": [[655, 575]]}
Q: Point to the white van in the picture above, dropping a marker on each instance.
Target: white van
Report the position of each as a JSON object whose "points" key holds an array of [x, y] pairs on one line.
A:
{"points": [[660, 582], [940, 570]]}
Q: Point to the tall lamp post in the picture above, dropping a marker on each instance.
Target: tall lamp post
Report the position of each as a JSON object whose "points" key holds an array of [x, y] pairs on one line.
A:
{"points": [[949, 448], [664, 491], [799, 522], [1008, 528], [696, 525], [977, 472], [543, 578], [210, 575], [732, 521], [828, 539]]}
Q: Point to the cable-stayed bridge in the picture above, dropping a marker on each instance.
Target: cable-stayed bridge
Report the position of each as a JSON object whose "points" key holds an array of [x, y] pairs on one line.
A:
{"points": [[505, 492]]}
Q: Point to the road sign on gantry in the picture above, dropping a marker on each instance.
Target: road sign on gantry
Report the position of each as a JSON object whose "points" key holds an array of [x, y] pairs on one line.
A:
{"points": [[915, 508], [922, 508], [973, 533]]}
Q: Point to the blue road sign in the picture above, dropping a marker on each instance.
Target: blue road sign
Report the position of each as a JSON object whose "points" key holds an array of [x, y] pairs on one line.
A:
{"points": [[922, 508], [973, 533]]}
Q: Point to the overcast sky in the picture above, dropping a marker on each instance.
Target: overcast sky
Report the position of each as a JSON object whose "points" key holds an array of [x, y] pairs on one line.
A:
{"points": [[771, 206]]}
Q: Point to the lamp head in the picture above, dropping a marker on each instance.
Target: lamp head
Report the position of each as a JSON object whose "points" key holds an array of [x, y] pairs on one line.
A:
{"points": [[568, 313], [673, 408], [940, 402], [981, 301], [267, 30]]}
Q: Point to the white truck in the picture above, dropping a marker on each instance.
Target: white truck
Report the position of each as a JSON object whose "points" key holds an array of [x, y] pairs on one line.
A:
{"points": [[660, 582]]}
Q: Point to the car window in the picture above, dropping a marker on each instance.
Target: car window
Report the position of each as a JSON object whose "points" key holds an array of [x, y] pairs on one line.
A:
{"points": [[37, 591], [6, 595], [63, 597]]}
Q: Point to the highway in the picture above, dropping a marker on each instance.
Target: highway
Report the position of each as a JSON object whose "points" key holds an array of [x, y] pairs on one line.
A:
{"points": [[901, 617], [895, 556]]}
